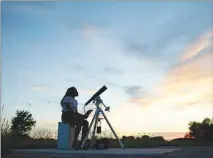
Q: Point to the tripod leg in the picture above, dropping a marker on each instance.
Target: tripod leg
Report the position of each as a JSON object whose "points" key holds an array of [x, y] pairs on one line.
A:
{"points": [[121, 144], [88, 130], [96, 121], [94, 129]]}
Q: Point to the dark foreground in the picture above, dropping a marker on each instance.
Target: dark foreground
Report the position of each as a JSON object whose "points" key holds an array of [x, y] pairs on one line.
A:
{"points": [[192, 152], [159, 152]]}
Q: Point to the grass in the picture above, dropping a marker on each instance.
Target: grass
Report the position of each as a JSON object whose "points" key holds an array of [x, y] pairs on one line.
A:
{"points": [[6, 137], [42, 134], [5, 127]]}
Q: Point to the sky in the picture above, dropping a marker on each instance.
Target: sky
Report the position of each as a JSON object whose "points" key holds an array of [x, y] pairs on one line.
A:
{"points": [[154, 57]]}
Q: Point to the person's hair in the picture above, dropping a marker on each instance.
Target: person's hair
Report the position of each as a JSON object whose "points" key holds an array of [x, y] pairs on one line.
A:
{"points": [[71, 92]]}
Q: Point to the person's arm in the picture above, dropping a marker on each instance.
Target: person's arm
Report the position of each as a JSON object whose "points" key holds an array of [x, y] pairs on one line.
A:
{"points": [[76, 111], [86, 115], [69, 107], [79, 113]]}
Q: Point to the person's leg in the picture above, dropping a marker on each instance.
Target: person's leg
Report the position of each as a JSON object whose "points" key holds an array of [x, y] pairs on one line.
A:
{"points": [[85, 129], [65, 117], [77, 131], [78, 120]]}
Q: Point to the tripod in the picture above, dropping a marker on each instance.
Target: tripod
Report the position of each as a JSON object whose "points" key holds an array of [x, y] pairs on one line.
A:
{"points": [[95, 118]]}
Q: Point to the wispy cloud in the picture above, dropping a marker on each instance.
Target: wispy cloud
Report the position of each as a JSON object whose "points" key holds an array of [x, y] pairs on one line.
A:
{"points": [[174, 32], [113, 70], [203, 42], [135, 91], [186, 84], [36, 8], [40, 88], [106, 46], [53, 102]]}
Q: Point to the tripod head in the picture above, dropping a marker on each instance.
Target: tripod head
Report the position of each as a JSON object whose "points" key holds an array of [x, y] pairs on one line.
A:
{"points": [[99, 101]]}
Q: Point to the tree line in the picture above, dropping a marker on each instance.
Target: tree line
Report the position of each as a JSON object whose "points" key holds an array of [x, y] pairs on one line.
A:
{"points": [[22, 123]]}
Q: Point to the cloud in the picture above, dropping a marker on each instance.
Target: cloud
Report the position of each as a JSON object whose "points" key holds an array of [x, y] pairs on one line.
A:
{"points": [[135, 91], [203, 42], [40, 8], [180, 85], [112, 84], [53, 102], [40, 88], [139, 49], [106, 46], [187, 84], [173, 33], [113, 70]]}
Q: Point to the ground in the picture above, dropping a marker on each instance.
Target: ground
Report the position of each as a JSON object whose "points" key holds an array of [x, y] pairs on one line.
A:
{"points": [[159, 152]]}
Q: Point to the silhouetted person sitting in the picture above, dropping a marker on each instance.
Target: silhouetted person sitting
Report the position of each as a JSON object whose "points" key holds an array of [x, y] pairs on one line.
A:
{"points": [[71, 116]]}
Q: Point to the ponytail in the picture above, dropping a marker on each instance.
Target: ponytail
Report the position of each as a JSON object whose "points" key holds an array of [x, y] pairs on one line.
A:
{"points": [[62, 100]]}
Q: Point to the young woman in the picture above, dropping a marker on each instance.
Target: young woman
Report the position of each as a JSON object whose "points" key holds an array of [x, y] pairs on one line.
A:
{"points": [[71, 116]]}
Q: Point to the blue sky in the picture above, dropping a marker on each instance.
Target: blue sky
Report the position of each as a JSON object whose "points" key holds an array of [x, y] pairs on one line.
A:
{"points": [[131, 47]]}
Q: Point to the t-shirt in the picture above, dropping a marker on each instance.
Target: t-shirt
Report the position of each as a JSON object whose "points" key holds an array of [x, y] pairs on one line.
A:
{"points": [[70, 101]]}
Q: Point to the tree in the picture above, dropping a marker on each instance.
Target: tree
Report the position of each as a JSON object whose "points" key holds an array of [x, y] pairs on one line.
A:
{"points": [[22, 123], [145, 137], [205, 126], [195, 130], [159, 138], [128, 138], [201, 131]]}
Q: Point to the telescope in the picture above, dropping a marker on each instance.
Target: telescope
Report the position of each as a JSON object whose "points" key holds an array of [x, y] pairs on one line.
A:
{"points": [[97, 100], [99, 92]]}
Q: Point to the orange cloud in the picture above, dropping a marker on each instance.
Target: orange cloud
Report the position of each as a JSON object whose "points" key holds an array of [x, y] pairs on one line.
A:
{"points": [[203, 42], [187, 84]]}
